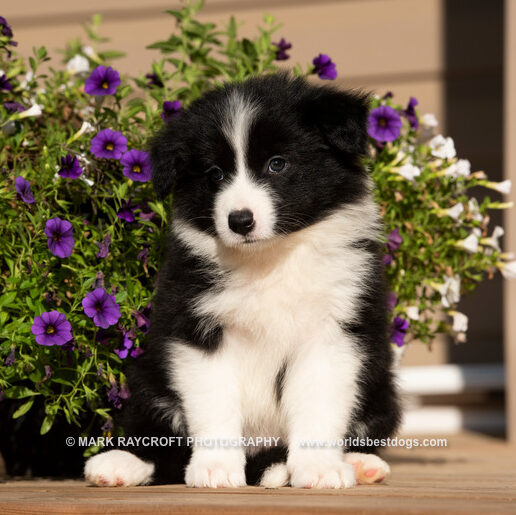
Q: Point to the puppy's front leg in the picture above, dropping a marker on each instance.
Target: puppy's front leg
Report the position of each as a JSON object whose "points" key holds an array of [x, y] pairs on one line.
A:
{"points": [[319, 394], [210, 393]]}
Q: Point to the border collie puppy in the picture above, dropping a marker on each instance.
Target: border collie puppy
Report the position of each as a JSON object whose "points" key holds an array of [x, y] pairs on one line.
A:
{"points": [[270, 314]]}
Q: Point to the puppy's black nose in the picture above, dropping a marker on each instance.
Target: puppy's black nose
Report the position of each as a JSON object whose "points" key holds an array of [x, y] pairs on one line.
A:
{"points": [[241, 222]]}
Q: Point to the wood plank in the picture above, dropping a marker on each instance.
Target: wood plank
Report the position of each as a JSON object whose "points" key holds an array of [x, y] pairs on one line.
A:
{"points": [[474, 474]]}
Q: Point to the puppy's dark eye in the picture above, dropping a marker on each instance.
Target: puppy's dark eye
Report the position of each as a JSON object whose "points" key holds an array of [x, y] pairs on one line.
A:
{"points": [[277, 164], [215, 174]]}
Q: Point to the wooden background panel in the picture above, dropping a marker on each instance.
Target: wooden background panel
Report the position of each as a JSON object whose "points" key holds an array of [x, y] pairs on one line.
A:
{"points": [[377, 44]]}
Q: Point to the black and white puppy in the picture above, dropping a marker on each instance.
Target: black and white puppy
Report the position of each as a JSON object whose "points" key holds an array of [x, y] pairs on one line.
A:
{"points": [[270, 313]]}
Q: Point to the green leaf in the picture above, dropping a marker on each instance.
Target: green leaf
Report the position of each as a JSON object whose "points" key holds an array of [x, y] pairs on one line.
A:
{"points": [[19, 392], [23, 409], [48, 421]]}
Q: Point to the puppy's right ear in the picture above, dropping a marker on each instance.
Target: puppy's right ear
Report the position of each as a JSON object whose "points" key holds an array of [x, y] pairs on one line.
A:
{"points": [[165, 158]]}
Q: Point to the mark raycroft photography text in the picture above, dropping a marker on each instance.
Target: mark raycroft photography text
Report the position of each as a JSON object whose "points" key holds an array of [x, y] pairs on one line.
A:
{"points": [[257, 441]]}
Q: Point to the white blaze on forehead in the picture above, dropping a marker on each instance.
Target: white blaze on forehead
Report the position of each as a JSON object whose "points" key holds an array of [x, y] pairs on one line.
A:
{"points": [[242, 192]]}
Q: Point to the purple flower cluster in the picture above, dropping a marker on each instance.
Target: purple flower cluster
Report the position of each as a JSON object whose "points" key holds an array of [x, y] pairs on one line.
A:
{"points": [[101, 307], [282, 47], [325, 68], [70, 167], [384, 124], [126, 212], [52, 328], [102, 81], [60, 237]]}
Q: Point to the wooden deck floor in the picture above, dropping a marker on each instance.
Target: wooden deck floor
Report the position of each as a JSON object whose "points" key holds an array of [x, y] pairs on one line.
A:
{"points": [[474, 474]]}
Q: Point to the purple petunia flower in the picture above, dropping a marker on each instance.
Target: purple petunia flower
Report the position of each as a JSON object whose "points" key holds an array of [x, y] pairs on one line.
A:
{"points": [[102, 81], [10, 359], [325, 67], [101, 307], [387, 259], [154, 80], [392, 300], [14, 107], [23, 189], [394, 240], [137, 352], [6, 28], [387, 95], [143, 318], [399, 330], [70, 167], [114, 397], [52, 328], [171, 109], [410, 113], [107, 427], [60, 237], [282, 47], [104, 247], [127, 344], [384, 124], [108, 144], [126, 212], [143, 255], [48, 371], [5, 85], [137, 165]]}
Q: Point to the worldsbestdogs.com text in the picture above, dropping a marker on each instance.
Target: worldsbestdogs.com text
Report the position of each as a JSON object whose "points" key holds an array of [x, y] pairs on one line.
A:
{"points": [[257, 441]]}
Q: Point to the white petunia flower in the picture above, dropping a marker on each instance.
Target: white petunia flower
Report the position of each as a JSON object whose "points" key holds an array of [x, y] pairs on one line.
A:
{"points": [[412, 312], [453, 212], [449, 290], [442, 147], [508, 270], [474, 209], [86, 127], [409, 172], [429, 120], [78, 64], [502, 187], [35, 110], [493, 242], [470, 243], [460, 321], [462, 168]]}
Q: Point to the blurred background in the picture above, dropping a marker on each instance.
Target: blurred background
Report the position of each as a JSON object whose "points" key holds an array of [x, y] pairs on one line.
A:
{"points": [[450, 55]]}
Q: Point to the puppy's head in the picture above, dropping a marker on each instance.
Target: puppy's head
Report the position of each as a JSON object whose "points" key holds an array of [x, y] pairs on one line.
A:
{"points": [[253, 161]]}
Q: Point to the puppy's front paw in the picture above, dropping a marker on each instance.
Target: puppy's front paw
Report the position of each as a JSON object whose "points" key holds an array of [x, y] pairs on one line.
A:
{"points": [[118, 468], [369, 468], [216, 469], [320, 469]]}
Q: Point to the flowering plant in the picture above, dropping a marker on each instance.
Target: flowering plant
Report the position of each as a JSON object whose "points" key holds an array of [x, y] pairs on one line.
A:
{"points": [[81, 231]]}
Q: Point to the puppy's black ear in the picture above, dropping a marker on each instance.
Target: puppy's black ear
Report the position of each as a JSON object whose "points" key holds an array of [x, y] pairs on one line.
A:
{"points": [[164, 154], [341, 116]]}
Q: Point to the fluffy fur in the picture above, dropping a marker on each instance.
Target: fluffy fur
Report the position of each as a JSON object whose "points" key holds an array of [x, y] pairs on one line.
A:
{"points": [[270, 311]]}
